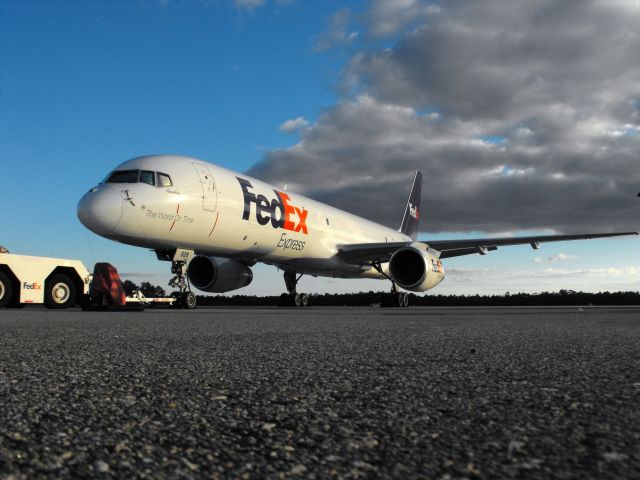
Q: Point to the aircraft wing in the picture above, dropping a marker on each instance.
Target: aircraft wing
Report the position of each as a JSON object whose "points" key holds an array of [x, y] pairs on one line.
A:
{"points": [[363, 253], [456, 248], [366, 253]]}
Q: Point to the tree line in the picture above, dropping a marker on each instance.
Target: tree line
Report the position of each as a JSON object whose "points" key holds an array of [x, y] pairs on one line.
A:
{"points": [[362, 299], [147, 289]]}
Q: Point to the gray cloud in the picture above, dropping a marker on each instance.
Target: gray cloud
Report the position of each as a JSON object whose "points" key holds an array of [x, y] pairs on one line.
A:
{"points": [[337, 34], [387, 17], [293, 125], [521, 116]]}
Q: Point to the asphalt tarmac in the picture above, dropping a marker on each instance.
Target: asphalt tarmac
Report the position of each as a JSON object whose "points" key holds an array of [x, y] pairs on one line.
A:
{"points": [[321, 393]]}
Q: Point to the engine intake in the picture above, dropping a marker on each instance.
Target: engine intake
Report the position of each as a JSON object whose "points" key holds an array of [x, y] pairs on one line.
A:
{"points": [[218, 275], [415, 269]]}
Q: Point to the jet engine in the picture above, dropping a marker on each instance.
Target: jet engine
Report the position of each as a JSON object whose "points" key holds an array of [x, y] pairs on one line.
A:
{"points": [[415, 269], [218, 275]]}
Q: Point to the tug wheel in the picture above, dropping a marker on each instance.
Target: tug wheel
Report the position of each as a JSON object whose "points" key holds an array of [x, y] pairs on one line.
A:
{"points": [[60, 292], [6, 289]]}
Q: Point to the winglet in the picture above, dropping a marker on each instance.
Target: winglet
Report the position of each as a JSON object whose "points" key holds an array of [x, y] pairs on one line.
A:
{"points": [[411, 219]]}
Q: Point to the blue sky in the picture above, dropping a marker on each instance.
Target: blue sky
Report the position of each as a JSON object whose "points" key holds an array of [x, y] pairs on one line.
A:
{"points": [[87, 85]]}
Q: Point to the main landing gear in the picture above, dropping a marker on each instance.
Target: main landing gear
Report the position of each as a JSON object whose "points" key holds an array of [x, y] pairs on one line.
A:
{"points": [[184, 297], [293, 298], [394, 298]]}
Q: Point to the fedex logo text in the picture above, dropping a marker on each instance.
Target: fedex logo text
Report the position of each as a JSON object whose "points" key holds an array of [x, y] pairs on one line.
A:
{"points": [[279, 210], [413, 211], [31, 286], [436, 266]]}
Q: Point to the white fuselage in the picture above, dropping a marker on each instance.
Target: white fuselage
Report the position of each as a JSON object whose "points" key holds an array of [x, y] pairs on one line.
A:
{"points": [[217, 212]]}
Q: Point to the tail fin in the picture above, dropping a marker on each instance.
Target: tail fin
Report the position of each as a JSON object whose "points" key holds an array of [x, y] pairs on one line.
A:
{"points": [[410, 221]]}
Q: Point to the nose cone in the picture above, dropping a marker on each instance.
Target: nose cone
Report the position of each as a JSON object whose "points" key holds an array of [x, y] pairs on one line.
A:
{"points": [[100, 210]]}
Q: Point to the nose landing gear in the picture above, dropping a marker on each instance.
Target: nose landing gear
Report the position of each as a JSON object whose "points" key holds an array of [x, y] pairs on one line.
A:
{"points": [[293, 298], [184, 297]]}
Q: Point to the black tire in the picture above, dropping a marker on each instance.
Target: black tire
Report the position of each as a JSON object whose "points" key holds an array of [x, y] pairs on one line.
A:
{"points": [[304, 299], [14, 303], [6, 289], [387, 300], [188, 300], [407, 300], [284, 300], [297, 300], [84, 301], [59, 292]]}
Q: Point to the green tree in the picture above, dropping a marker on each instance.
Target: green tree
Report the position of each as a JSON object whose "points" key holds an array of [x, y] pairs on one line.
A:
{"points": [[149, 290], [129, 287]]}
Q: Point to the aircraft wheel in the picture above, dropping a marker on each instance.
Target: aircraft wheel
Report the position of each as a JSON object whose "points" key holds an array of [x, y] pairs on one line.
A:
{"points": [[188, 300], [405, 300], [60, 292], [304, 300], [284, 300], [6, 289], [297, 300]]}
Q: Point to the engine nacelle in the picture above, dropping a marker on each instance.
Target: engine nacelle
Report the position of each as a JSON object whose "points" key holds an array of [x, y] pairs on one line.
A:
{"points": [[415, 269], [218, 275]]}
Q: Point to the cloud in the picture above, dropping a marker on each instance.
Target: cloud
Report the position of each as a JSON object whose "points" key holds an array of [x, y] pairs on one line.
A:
{"points": [[248, 4], [629, 272], [291, 126], [473, 274], [147, 275], [387, 17], [561, 257], [337, 34], [555, 82]]}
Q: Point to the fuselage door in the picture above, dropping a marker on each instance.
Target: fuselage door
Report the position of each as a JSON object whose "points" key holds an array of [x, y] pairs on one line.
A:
{"points": [[209, 194]]}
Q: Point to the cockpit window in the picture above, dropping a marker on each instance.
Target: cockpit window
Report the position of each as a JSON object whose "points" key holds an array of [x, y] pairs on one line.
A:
{"points": [[147, 177], [164, 180], [124, 176]]}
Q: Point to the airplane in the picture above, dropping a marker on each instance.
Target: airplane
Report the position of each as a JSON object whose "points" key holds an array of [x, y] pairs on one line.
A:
{"points": [[214, 224]]}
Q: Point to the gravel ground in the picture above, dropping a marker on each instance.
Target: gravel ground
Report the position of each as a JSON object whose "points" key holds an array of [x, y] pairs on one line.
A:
{"points": [[320, 393]]}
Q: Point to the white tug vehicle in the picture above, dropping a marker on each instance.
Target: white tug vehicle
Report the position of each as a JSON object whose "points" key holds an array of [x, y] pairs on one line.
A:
{"points": [[55, 282], [61, 283]]}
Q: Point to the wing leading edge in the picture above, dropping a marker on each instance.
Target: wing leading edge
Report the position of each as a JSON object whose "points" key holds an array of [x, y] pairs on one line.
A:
{"points": [[366, 253], [456, 248]]}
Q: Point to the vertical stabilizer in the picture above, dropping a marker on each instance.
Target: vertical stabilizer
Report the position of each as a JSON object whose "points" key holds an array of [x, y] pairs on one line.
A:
{"points": [[411, 219]]}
